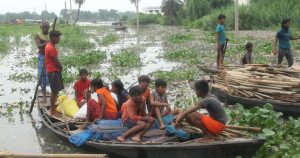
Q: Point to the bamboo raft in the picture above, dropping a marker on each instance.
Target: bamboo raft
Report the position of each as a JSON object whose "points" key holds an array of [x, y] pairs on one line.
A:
{"points": [[256, 85], [232, 141]]}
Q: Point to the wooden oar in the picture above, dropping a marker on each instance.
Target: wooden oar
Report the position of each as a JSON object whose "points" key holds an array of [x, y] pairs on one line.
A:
{"points": [[39, 80]]}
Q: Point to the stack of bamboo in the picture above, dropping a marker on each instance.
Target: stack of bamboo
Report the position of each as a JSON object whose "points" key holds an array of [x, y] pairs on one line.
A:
{"points": [[260, 82]]}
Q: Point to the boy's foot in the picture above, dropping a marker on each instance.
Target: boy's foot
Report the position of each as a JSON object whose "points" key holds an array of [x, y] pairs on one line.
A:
{"points": [[162, 127], [121, 139], [136, 138]]}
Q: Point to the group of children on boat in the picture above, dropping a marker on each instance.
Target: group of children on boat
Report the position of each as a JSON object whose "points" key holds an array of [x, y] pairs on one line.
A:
{"points": [[140, 106]]}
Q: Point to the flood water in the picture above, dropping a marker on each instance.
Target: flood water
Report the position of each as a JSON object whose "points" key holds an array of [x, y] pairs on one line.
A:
{"points": [[21, 132]]}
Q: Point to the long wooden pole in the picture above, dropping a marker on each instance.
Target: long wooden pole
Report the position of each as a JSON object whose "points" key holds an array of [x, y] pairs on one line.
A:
{"points": [[29, 155], [236, 19]]}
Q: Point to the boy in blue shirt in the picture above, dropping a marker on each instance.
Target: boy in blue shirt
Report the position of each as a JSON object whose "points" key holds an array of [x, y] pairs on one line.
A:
{"points": [[220, 40], [284, 36]]}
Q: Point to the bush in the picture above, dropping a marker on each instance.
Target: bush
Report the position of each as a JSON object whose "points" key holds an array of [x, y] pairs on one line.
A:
{"points": [[146, 19]]}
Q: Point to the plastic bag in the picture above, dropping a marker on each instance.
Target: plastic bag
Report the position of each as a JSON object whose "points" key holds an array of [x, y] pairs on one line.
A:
{"points": [[167, 120], [81, 113], [79, 138], [69, 105], [181, 134]]}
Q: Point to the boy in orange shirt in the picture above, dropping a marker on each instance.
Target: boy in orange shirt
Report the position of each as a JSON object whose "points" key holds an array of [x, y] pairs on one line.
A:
{"points": [[134, 116]]}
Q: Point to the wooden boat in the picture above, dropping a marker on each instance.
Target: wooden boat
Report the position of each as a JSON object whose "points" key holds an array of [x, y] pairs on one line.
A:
{"points": [[288, 108], [151, 149], [119, 26]]}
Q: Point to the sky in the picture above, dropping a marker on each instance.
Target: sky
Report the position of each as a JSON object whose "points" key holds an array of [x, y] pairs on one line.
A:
{"points": [[57, 5]]}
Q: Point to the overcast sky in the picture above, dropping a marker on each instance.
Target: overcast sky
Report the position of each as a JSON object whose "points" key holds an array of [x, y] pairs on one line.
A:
{"points": [[57, 5]]}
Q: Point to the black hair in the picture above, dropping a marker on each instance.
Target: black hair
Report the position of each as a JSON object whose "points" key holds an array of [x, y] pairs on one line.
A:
{"points": [[160, 82], [135, 90], [119, 85], [284, 21], [83, 70], [221, 16], [54, 33], [202, 85], [249, 45], [98, 83], [144, 78]]}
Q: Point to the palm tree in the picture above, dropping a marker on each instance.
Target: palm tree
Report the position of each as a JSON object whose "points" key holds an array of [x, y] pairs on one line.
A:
{"points": [[136, 3], [171, 9], [79, 2]]}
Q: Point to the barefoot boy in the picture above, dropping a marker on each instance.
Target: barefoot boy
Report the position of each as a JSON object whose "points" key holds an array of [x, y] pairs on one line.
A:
{"points": [[134, 116], [159, 102], [211, 124], [220, 40], [81, 87], [144, 81], [247, 59], [54, 68]]}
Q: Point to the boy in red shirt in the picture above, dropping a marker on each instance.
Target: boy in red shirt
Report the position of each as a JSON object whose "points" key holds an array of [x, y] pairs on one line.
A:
{"points": [[134, 116], [81, 87], [54, 68]]}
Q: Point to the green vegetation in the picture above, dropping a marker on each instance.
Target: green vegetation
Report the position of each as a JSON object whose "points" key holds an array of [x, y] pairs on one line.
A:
{"points": [[126, 58], [109, 39], [146, 19], [180, 38], [177, 75], [23, 77], [83, 59], [187, 56], [172, 10], [282, 136], [75, 39]]}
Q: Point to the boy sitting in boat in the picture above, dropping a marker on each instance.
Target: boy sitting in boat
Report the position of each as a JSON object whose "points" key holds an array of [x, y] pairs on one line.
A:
{"points": [[144, 81], [105, 108], [134, 116], [211, 124], [247, 59], [81, 87], [117, 87], [159, 102]]}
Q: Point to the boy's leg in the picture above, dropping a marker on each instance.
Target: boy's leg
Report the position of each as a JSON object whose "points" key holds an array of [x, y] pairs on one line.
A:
{"points": [[158, 116], [218, 58], [194, 119], [281, 54], [52, 102], [289, 57], [137, 137], [176, 111], [222, 53], [140, 125], [44, 95]]}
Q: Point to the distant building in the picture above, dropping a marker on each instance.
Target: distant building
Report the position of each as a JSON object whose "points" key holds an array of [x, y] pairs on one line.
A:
{"points": [[152, 10]]}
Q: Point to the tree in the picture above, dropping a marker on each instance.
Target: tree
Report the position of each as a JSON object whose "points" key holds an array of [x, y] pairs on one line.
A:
{"points": [[197, 8], [79, 2], [171, 9], [136, 3], [220, 3]]}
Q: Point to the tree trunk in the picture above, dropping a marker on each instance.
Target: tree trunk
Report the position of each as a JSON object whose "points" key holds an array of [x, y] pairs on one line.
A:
{"points": [[78, 13]]}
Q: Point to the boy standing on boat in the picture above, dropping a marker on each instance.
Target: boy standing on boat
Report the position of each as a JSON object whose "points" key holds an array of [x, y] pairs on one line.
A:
{"points": [[220, 40], [134, 116], [54, 68], [81, 87], [159, 102], [211, 124], [284, 37], [41, 39]]}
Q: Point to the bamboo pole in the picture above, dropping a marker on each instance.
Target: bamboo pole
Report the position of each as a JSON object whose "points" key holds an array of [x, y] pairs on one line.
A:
{"points": [[245, 128], [30, 155]]}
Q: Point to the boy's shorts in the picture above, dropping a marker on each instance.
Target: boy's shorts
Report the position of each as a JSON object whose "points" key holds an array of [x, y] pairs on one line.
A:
{"points": [[129, 123], [222, 49], [212, 125], [56, 81]]}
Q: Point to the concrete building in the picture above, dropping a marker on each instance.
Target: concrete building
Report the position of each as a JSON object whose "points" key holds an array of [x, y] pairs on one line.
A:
{"points": [[152, 10]]}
